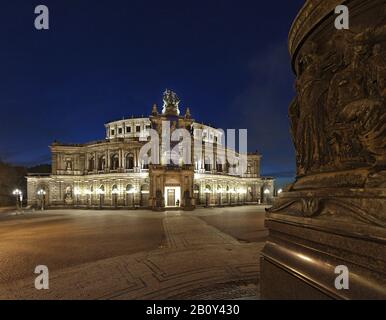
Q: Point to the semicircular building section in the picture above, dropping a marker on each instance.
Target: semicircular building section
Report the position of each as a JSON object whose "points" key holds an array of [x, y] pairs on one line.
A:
{"points": [[113, 173]]}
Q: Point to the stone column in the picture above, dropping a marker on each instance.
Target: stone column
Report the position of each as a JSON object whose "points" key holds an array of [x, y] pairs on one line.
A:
{"points": [[334, 214], [108, 160]]}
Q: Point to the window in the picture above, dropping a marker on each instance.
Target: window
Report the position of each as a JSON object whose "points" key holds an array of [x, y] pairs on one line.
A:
{"points": [[112, 132], [128, 129], [208, 164], [114, 162], [129, 161], [216, 139], [148, 127], [138, 128], [120, 131], [68, 165], [102, 163], [91, 164]]}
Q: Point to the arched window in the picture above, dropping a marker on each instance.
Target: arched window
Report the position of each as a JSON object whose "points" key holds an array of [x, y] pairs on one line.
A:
{"points": [[130, 188], [145, 188], [129, 161], [114, 189], [219, 167], [114, 162], [144, 195], [91, 164], [102, 163], [145, 163], [68, 193], [208, 164], [68, 165]]}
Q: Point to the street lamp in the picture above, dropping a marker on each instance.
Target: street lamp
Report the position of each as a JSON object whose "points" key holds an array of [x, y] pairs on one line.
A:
{"points": [[279, 191], [115, 197], [41, 194], [266, 193], [131, 192], [220, 191], [231, 192], [88, 193], [77, 194], [19, 196], [243, 192], [207, 192]]}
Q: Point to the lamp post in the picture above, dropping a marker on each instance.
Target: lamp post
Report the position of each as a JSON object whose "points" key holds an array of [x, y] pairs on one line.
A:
{"points": [[100, 192], [88, 197], [220, 191], [19, 196], [77, 194], [131, 194], [266, 194], [242, 192], [115, 197], [207, 191], [279, 191], [42, 194]]}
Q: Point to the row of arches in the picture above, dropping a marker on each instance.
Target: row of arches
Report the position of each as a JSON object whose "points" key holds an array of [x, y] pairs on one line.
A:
{"points": [[100, 163], [102, 195], [224, 194]]}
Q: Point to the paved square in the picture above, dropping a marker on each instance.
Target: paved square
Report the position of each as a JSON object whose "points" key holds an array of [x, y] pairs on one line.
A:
{"points": [[204, 254]]}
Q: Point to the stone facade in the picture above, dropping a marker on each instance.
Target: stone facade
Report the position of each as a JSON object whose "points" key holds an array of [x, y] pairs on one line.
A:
{"points": [[112, 174]]}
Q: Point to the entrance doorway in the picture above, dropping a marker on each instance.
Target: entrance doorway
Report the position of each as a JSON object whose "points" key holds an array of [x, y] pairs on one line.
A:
{"points": [[172, 197]]}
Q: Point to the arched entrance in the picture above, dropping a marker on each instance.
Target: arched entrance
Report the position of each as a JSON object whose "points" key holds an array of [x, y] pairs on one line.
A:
{"points": [[172, 192], [101, 195], [144, 195], [130, 190], [208, 195], [114, 196]]}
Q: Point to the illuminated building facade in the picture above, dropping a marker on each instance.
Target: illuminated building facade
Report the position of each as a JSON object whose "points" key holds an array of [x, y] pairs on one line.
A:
{"points": [[112, 174]]}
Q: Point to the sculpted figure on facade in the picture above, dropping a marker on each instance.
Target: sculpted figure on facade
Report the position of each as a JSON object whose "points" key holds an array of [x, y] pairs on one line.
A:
{"points": [[335, 117], [308, 114]]}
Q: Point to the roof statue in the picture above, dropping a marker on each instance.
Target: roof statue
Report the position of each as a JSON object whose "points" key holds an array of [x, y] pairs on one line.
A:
{"points": [[171, 102]]}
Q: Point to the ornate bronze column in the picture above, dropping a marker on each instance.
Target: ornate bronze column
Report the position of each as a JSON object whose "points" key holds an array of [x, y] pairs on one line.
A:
{"points": [[334, 214]]}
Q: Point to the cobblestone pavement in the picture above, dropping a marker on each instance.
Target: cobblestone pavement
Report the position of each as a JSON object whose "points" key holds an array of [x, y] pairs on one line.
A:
{"points": [[194, 260]]}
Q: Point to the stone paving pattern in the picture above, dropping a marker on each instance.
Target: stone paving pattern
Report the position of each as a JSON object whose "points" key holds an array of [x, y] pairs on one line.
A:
{"points": [[195, 261]]}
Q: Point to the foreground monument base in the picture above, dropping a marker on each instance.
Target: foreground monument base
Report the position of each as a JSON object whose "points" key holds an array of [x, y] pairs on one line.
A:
{"points": [[300, 258], [328, 229]]}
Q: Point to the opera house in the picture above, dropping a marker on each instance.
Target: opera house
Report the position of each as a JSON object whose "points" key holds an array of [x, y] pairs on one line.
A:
{"points": [[113, 174]]}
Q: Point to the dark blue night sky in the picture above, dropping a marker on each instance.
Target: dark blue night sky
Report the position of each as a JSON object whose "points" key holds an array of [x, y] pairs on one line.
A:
{"points": [[102, 60]]}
